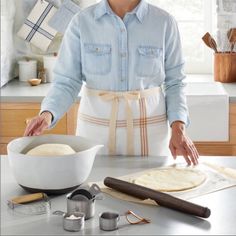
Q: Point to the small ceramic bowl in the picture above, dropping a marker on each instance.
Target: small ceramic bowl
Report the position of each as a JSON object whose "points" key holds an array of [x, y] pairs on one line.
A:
{"points": [[34, 81]]}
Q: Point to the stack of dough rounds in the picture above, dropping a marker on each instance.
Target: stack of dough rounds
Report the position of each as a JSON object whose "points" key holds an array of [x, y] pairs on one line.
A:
{"points": [[51, 149], [171, 179]]}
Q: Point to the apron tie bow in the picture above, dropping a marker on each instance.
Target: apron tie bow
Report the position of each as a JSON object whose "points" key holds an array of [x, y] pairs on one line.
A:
{"points": [[114, 97]]}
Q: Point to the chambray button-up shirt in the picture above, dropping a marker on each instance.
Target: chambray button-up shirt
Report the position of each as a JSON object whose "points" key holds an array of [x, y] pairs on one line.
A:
{"points": [[140, 51]]}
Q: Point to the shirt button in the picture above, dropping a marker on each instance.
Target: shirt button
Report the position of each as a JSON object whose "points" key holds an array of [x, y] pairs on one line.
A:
{"points": [[122, 30], [123, 54]]}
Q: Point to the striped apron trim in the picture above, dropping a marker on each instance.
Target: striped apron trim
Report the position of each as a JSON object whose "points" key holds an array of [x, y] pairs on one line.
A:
{"points": [[122, 123], [143, 127]]}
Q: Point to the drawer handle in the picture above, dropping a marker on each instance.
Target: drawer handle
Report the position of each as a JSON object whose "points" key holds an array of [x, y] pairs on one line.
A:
{"points": [[27, 120]]}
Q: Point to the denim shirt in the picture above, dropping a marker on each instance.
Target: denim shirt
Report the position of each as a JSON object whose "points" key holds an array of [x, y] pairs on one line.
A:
{"points": [[140, 51]]}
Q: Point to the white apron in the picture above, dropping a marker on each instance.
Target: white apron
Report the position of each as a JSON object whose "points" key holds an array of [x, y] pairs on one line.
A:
{"points": [[127, 123]]}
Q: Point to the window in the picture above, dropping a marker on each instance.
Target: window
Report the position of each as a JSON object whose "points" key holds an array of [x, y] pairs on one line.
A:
{"points": [[195, 18]]}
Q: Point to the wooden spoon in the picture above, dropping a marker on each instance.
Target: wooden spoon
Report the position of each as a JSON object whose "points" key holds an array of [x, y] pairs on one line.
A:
{"points": [[210, 42], [232, 38]]}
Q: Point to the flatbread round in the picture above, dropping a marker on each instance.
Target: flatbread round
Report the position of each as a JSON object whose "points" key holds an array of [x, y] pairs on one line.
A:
{"points": [[171, 179], [51, 149]]}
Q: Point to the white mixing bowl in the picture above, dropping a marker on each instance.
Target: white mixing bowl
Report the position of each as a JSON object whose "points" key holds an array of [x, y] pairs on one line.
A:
{"points": [[51, 174]]}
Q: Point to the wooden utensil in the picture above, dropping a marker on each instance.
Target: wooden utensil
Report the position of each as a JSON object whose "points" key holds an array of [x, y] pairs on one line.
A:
{"points": [[162, 199], [27, 198], [232, 38], [30, 204], [210, 42]]}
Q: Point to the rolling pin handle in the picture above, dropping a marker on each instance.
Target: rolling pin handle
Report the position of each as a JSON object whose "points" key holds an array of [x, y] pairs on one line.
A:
{"points": [[207, 213]]}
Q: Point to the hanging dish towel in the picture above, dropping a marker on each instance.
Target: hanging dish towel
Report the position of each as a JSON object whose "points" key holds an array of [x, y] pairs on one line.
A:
{"points": [[36, 29], [62, 18]]}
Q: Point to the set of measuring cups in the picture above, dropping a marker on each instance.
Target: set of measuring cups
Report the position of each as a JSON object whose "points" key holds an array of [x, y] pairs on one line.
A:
{"points": [[81, 206]]}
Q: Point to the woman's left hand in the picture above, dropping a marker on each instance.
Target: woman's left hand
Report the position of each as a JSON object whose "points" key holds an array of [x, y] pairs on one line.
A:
{"points": [[181, 144]]}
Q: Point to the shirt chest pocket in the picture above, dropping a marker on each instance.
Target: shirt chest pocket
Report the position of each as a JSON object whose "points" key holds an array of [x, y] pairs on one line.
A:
{"points": [[149, 61], [97, 58]]}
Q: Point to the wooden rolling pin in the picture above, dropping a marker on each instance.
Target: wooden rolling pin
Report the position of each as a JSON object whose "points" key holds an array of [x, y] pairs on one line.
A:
{"points": [[162, 199]]}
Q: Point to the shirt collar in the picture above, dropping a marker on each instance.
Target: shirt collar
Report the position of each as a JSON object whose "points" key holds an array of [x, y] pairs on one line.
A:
{"points": [[103, 8], [141, 10]]}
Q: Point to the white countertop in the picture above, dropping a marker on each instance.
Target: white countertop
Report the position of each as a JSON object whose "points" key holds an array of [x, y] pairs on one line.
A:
{"points": [[16, 91], [163, 221]]}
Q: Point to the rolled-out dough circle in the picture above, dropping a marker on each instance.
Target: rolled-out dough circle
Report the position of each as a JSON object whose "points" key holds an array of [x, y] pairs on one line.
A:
{"points": [[171, 179], [51, 149]]}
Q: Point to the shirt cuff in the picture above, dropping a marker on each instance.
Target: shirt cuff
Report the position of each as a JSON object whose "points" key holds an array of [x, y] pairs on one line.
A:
{"points": [[54, 118], [178, 116]]}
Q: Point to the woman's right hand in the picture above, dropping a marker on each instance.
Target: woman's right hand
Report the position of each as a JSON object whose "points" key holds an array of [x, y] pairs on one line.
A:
{"points": [[38, 124]]}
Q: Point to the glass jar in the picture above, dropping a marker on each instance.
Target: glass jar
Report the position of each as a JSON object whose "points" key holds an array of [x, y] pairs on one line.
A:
{"points": [[42, 75]]}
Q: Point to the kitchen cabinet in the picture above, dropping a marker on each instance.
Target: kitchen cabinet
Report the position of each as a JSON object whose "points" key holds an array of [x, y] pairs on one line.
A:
{"points": [[222, 148], [14, 117]]}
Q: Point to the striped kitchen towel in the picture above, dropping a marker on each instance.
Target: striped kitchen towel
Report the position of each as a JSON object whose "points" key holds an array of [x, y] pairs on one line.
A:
{"points": [[62, 18], [36, 29]]}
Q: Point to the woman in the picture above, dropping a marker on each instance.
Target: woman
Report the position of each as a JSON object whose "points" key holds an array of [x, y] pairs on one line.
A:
{"points": [[128, 53]]}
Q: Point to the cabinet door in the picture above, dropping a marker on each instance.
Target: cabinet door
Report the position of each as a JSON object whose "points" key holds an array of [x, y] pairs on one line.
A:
{"points": [[13, 122], [14, 118]]}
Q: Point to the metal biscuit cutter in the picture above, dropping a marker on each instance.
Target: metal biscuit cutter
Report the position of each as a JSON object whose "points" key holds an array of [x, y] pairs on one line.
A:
{"points": [[30, 204]]}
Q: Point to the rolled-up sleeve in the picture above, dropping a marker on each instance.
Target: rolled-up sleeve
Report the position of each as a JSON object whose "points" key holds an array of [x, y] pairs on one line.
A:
{"points": [[174, 85], [67, 80]]}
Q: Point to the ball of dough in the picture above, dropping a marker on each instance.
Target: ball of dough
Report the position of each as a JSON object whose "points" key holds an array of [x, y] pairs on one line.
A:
{"points": [[51, 149]]}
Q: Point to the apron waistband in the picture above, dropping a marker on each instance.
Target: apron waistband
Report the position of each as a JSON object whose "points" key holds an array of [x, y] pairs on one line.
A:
{"points": [[137, 93], [128, 96]]}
